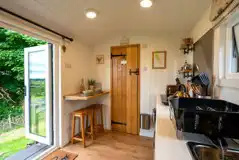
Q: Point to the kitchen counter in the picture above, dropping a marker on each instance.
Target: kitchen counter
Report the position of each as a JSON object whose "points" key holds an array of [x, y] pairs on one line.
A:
{"points": [[167, 146]]}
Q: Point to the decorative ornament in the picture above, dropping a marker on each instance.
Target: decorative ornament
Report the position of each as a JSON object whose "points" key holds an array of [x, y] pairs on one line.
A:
{"points": [[100, 59]]}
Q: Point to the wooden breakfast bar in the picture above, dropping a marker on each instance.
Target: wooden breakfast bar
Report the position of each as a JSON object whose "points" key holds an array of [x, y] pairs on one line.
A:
{"points": [[79, 97], [93, 112]]}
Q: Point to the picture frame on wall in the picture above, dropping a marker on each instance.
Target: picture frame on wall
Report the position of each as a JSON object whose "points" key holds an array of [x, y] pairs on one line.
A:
{"points": [[99, 59], [159, 60]]}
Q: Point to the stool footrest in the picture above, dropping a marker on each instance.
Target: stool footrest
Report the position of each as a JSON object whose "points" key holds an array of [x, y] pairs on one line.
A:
{"points": [[77, 138], [89, 133]]}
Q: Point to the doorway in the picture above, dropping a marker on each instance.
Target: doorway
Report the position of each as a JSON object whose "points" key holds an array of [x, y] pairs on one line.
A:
{"points": [[125, 88], [25, 95]]}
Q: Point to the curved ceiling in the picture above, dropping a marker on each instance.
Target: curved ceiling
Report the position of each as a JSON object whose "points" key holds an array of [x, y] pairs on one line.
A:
{"points": [[116, 17]]}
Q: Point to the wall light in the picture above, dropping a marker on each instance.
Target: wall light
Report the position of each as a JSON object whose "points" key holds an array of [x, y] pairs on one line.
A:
{"points": [[91, 13], [146, 3]]}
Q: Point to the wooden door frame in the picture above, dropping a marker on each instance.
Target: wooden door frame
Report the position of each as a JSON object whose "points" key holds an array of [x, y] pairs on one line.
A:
{"points": [[111, 80]]}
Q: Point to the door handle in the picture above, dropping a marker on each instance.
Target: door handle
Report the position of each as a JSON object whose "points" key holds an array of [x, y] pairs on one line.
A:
{"points": [[136, 72], [25, 90]]}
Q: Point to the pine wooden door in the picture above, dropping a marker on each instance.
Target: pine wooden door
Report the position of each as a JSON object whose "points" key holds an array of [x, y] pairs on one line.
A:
{"points": [[132, 90], [119, 78], [125, 89]]}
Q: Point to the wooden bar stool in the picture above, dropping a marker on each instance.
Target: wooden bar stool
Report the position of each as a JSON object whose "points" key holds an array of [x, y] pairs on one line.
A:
{"points": [[81, 114]]}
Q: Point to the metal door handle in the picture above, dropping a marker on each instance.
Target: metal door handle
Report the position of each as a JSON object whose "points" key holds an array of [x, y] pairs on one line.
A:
{"points": [[136, 72], [25, 90]]}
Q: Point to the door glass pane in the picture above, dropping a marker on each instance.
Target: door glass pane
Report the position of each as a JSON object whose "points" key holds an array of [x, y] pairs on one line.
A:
{"points": [[37, 93]]}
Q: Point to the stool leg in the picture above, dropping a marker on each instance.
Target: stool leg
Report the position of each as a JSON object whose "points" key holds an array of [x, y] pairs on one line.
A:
{"points": [[83, 130], [94, 116], [86, 123], [91, 126], [102, 120], [73, 129]]}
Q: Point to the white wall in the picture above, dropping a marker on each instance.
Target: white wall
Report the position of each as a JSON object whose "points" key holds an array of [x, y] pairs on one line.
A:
{"points": [[153, 82], [76, 64], [202, 26]]}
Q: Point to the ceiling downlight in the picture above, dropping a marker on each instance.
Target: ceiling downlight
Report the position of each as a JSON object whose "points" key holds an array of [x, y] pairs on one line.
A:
{"points": [[91, 13], [146, 3]]}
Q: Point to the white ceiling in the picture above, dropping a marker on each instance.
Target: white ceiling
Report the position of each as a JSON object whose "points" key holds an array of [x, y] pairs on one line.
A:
{"points": [[116, 17]]}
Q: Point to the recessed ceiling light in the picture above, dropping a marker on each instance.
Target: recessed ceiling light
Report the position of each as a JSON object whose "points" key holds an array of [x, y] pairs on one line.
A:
{"points": [[91, 13], [146, 3]]}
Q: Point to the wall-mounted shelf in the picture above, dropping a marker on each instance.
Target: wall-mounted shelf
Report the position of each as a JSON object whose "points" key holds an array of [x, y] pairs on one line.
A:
{"points": [[186, 73], [79, 97]]}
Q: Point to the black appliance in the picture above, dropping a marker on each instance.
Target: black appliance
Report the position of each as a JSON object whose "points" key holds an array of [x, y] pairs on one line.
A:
{"points": [[213, 118]]}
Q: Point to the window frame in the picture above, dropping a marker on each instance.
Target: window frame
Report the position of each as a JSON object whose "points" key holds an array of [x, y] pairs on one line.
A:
{"points": [[232, 21], [224, 48], [226, 76]]}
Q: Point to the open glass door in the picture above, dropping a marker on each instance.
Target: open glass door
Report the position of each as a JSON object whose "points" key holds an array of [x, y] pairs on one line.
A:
{"points": [[38, 93]]}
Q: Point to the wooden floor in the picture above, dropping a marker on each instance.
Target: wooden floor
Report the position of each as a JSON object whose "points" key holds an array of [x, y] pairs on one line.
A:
{"points": [[114, 146]]}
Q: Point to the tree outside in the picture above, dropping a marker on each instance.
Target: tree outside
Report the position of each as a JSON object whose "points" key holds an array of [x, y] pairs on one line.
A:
{"points": [[12, 46]]}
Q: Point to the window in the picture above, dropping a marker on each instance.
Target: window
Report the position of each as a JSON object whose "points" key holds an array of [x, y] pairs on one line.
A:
{"points": [[235, 49], [226, 51], [231, 45]]}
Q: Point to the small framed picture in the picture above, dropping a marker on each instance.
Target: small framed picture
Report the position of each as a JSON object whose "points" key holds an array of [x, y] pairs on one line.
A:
{"points": [[159, 59], [99, 59]]}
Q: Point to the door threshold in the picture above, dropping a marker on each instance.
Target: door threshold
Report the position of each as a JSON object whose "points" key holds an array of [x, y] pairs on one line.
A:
{"points": [[30, 153], [46, 152]]}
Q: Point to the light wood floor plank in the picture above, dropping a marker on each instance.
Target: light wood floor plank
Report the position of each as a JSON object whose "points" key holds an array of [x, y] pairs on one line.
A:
{"points": [[114, 146]]}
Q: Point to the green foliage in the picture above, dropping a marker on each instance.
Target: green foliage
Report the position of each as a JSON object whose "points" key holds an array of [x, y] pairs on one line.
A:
{"points": [[37, 87], [12, 46], [91, 82]]}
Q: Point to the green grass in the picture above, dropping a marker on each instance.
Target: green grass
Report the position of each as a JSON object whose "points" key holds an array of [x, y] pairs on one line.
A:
{"points": [[14, 141], [38, 127], [11, 147]]}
